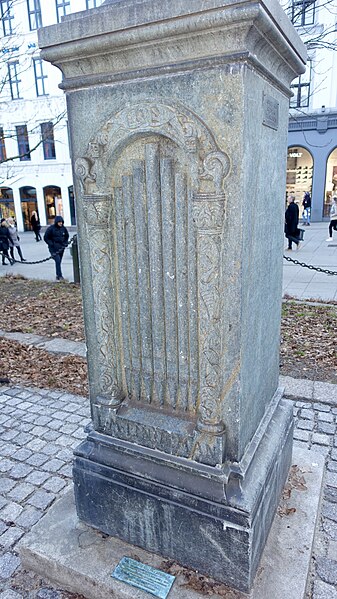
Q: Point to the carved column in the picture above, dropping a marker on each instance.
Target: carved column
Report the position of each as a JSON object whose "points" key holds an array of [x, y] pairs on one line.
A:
{"points": [[98, 216], [208, 215]]}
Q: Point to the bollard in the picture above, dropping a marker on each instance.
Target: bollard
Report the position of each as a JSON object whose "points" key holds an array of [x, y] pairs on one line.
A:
{"points": [[76, 264]]}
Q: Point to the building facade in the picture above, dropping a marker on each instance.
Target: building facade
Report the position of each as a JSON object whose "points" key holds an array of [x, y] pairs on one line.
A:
{"points": [[35, 169], [312, 138]]}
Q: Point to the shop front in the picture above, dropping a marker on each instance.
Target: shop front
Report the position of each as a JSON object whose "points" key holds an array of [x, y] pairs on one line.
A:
{"points": [[28, 201], [312, 161], [53, 202], [6, 203]]}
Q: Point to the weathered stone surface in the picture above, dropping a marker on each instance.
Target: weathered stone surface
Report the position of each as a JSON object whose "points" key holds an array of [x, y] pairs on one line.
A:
{"points": [[182, 308]]}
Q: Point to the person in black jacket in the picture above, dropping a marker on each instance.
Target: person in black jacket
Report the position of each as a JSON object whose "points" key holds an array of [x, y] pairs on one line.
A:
{"points": [[35, 222], [4, 242], [56, 237], [291, 224]]}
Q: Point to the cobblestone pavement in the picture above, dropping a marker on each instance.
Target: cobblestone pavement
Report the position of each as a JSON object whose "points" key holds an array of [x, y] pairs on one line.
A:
{"points": [[39, 429]]}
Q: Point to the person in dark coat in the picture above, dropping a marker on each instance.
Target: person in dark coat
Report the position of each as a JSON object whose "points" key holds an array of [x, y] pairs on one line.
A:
{"points": [[291, 223], [56, 237], [35, 222], [306, 209], [4, 242]]}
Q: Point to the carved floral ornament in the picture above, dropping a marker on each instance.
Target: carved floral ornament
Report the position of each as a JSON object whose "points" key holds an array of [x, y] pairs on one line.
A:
{"points": [[209, 165]]}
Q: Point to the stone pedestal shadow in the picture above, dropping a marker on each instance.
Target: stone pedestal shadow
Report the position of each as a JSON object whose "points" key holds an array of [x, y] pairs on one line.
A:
{"points": [[178, 126]]}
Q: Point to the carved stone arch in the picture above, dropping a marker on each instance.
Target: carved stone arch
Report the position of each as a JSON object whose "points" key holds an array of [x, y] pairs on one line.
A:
{"points": [[155, 174], [161, 118]]}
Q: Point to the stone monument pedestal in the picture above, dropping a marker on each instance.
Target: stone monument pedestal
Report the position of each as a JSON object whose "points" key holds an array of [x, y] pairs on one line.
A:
{"points": [[178, 124]]}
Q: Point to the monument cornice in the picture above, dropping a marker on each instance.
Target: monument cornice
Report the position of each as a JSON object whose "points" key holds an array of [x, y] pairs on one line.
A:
{"points": [[220, 35]]}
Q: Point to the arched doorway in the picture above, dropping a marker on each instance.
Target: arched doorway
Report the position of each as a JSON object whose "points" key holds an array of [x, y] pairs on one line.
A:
{"points": [[28, 205], [6, 203], [72, 205], [330, 182], [299, 173], [53, 202]]}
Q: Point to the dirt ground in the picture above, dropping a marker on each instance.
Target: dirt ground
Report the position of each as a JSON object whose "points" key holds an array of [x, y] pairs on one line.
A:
{"points": [[308, 336]]}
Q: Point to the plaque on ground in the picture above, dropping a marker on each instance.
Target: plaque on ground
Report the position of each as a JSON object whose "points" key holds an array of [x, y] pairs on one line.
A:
{"points": [[144, 577]]}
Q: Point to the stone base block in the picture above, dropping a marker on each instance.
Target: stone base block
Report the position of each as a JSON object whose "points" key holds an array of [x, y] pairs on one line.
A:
{"points": [[206, 518], [79, 559]]}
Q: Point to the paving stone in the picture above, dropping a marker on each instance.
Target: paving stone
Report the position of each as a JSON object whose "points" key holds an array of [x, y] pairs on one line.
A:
{"points": [[81, 434], [306, 425], [325, 393], [11, 512], [36, 444], [321, 407], [330, 494], [66, 471], [3, 527], [9, 594], [6, 484], [22, 454], [301, 435], [9, 435], [51, 448], [66, 454], [334, 454], [29, 418], [64, 440], [326, 417], [69, 428], [53, 465], [51, 435], [38, 431], [20, 471], [330, 528], [319, 439], [322, 590], [37, 459], [8, 564], [10, 537], [23, 438], [42, 420], [326, 427], [2, 502], [307, 414], [21, 491], [37, 478], [74, 418], [334, 410], [331, 479], [332, 549], [6, 449], [29, 517], [332, 466], [327, 569], [41, 499], [55, 425], [24, 394], [6, 465], [329, 510], [54, 484]]}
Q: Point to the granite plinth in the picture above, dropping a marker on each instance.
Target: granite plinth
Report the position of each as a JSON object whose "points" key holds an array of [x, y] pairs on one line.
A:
{"points": [[170, 505], [81, 560]]}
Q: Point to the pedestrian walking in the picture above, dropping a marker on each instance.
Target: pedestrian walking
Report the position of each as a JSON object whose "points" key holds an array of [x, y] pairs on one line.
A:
{"points": [[14, 241], [56, 237], [306, 209], [333, 218], [4, 242], [291, 223], [35, 222]]}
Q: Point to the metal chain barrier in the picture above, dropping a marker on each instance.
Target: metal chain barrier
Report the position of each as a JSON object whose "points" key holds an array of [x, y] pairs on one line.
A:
{"points": [[45, 259], [310, 266]]}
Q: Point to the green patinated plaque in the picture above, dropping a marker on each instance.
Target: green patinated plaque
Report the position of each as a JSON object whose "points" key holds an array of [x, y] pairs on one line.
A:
{"points": [[144, 577]]}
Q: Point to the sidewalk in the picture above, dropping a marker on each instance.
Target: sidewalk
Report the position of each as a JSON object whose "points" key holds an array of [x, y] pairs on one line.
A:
{"points": [[39, 429], [297, 281]]}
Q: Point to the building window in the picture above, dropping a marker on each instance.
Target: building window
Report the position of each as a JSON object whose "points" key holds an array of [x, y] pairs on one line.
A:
{"points": [[93, 3], [3, 155], [40, 77], [34, 14], [6, 16], [303, 12], [23, 142], [301, 89], [14, 80], [48, 142], [62, 9]]}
